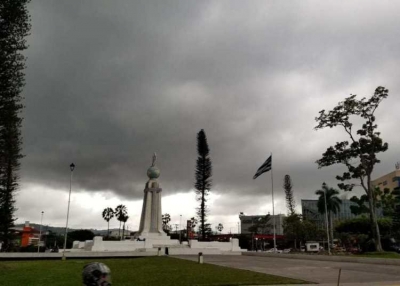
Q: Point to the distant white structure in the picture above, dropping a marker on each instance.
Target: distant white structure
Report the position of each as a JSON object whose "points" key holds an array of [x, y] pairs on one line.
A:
{"points": [[192, 247]]}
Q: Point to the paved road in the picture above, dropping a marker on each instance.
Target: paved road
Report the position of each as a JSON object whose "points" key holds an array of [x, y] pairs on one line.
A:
{"points": [[310, 270]]}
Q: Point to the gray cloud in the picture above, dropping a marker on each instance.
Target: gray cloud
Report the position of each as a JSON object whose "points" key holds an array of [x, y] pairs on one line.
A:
{"points": [[109, 83]]}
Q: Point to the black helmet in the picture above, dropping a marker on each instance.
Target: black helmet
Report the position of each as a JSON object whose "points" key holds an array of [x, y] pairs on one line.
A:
{"points": [[96, 274]]}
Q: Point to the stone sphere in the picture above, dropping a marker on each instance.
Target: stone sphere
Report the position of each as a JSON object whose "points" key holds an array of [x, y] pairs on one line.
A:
{"points": [[153, 172]]}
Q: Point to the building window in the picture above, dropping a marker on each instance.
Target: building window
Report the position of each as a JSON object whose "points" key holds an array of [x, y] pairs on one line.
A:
{"points": [[394, 179], [385, 183]]}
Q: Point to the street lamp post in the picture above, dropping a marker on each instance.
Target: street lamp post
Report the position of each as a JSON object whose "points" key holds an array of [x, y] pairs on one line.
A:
{"points": [[40, 232], [256, 244], [71, 167], [241, 214], [180, 228]]}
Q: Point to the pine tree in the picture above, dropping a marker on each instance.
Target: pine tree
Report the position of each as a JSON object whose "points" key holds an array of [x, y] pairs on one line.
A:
{"points": [[14, 27], [290, 202], [203, 181]]}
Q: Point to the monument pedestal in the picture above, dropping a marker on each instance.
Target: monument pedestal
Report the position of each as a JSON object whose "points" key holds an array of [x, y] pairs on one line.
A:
{"points": [[151, 218]]}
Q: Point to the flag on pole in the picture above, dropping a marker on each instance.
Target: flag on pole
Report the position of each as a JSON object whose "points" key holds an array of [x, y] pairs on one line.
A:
{"points": [[264, 167]]}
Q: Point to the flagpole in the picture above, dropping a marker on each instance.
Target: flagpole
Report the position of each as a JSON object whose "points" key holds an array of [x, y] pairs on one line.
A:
{"points": [[273, 206]]}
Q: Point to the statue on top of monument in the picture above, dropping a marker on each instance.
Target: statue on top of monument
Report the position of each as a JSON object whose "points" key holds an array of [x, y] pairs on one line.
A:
{"points": [[153, 172], [153, 163]]}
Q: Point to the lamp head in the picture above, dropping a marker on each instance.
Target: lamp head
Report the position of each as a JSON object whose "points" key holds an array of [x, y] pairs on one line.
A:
{"points": [[72, 167]]}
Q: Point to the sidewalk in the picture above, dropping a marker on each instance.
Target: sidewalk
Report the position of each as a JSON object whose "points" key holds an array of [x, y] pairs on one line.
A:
{"points": [[343, 284], [333, 258], [315, 271]]}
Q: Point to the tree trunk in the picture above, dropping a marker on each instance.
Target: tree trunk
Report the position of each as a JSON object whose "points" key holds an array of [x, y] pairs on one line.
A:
{"points": [[203, 231], [8, 208], [328, 229], [108, 228], [119, 230], [374, 222], [331, 226], [123, 232]]}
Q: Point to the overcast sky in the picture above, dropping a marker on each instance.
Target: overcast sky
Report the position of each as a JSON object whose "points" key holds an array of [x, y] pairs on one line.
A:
{"points": [[110, 82]]}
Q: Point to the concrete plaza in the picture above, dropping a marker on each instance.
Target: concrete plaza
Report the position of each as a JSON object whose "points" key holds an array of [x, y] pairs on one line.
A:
{"points": [[324, 272]]}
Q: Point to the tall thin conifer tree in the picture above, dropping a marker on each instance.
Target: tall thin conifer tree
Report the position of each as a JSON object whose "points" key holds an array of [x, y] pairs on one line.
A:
{"points": [[203, 180], [14, 27], [290, 202]]}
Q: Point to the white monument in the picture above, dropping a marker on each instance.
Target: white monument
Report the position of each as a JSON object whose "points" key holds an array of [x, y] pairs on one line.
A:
{"points": [[151, 219], [151, 238]]}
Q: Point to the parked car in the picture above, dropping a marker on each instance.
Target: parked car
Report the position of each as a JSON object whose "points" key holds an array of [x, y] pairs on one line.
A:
{"points": [[287, 250], [339, 249], [354, 250], [390, 244], [272, 250]]}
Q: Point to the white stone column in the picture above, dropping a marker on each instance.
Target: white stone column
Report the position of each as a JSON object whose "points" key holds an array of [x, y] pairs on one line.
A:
{"points": [[151, 219]]}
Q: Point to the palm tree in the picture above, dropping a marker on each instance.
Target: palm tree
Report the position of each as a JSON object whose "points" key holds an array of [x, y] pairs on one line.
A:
{"points": [[332, 203], [108, 214], [120, 213], [124, 219]]}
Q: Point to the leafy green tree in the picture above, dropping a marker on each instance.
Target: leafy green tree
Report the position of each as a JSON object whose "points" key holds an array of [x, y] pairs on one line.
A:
{"points": [[261, 225], [14, 27], [166, 218], [81, 235], [361, 225], [292, 228], [193, 222], [360, 207], [203, 180], [220, 227], [332, 203], [310, 231], [54, 240], [359, 153], [207, 230], [290, 202], [396, 214], [120, 213], [385, 200], [108, 214]]}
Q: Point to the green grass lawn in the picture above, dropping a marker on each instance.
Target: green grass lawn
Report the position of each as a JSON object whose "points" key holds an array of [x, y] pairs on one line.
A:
{"points": [[381, 255], [137, 271]]}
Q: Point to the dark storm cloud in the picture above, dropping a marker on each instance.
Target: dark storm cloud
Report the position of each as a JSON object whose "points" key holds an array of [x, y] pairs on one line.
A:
{"points": [[108, 83]]}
